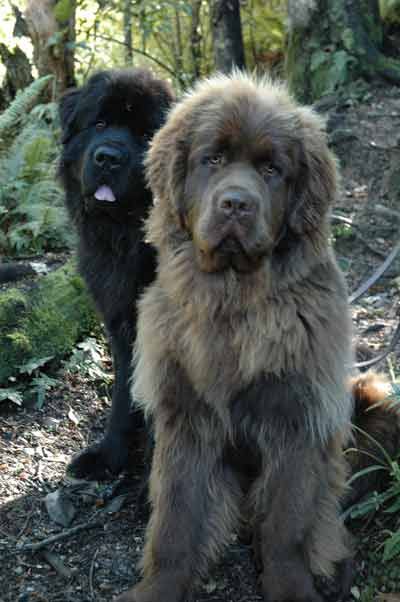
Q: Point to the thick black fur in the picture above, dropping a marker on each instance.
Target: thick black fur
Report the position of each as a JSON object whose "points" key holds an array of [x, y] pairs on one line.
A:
{"points": [[106, 126]]}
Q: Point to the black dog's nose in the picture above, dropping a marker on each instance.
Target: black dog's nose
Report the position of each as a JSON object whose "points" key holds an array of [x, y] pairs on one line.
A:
{"points": [[238, 203], [109, 156]]}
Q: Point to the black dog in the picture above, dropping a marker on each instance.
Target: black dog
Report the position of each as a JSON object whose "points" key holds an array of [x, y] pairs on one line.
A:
{"points": [[106, 126]]}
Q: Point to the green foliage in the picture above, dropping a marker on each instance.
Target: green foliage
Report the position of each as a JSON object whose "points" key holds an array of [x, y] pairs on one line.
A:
{"points": [[63, 10], [390, 10], [32, 214], [22, 104], [88, 359], [342, 231], [11, 394], [264, 33], [167, 34], [45, 323]]}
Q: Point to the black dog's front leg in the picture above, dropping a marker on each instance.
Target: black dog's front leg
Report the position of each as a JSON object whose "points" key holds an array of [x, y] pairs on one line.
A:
{"points": [[110, 455]]}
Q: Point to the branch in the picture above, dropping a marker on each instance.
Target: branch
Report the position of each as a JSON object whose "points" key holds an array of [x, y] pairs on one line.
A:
{"points": [[142, 52], [33, 547], [382, 356], [387, 212], [375, 276]]}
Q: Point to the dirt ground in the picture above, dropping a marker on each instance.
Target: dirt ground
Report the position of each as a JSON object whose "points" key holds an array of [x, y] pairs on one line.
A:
{"points": [[100, 558]]}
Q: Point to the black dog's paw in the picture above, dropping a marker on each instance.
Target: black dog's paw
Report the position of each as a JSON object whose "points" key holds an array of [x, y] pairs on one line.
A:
{"points": [[98, 462], [337, 589]]}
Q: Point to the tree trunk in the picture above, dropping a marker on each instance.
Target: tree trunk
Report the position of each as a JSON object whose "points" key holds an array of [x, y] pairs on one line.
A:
{"points": [[128, 32], [227, 35], [195, 40], [18, 73], [52, 29], [332, 43], [178, 47]]}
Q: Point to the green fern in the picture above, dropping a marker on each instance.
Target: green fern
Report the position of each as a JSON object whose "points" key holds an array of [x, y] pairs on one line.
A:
{"points": [[22, 104], [32, 214]]}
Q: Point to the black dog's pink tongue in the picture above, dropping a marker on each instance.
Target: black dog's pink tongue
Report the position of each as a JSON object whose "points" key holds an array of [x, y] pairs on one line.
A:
{"points": [[104, 193]]}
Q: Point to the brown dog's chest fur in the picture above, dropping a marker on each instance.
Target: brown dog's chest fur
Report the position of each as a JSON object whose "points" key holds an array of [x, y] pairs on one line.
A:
{"points": [[235, 331]]}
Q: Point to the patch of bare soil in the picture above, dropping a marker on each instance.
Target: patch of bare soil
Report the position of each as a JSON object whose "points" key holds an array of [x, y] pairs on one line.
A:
{"points": [[96, 550]]}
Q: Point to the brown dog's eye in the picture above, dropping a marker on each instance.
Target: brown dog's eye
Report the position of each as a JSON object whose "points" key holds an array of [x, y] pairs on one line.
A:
{"points": [[267, 170], [100, 125], [213, 160]]}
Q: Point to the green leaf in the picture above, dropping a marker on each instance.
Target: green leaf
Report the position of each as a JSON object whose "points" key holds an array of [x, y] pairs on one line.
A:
{"points": [[34, 364], [41, 396], [392, 547], [22, 104], [63, 10], [11, 395], [365, 471], [318, 58]]}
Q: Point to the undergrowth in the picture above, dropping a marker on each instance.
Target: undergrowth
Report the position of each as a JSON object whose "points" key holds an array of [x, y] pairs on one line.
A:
{"points": [[32, 215]]}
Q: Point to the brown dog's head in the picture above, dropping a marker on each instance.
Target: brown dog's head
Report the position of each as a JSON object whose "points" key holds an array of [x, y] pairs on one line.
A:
{"points": [[242, 172]]}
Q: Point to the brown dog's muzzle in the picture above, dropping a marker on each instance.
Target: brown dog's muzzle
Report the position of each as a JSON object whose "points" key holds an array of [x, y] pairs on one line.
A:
{"points": [[237, 204], [230, 230]]}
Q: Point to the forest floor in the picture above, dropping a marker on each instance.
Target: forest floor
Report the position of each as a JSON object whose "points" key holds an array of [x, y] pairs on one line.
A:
{"points": [[100, 558]]}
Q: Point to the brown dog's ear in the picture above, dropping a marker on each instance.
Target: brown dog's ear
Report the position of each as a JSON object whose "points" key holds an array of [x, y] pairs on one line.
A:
{"points": [[315, 188], [166, 161]]}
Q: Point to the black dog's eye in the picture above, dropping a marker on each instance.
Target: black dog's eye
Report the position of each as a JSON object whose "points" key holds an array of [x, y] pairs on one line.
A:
{"points": [[129, 107], [213, 160], [100, 125]]}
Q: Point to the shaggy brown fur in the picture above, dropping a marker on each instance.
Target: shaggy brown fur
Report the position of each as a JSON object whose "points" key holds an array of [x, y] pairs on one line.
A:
{"points": [[376, 434], [243, 343]]}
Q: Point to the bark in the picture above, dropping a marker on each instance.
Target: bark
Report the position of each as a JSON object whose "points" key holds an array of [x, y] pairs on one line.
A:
{"points": [[53, 37], [178, 47], [128, 32], [18, 73], [195, 39], [227, 35], [332, 43]]}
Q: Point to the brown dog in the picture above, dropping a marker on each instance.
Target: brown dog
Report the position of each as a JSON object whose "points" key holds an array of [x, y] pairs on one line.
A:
{"points": [[243, 343]]}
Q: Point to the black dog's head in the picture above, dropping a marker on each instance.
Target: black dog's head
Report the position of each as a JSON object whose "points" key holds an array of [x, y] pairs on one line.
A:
{"points": [[106, 127]]}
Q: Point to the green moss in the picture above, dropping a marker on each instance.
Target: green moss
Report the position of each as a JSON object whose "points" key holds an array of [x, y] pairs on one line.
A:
{"points": [[12, 304], [46, 321]]}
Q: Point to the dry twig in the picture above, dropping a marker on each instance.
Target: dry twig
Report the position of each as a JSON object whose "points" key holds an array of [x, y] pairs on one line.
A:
{"points": [[33, 547], [91, 575]]}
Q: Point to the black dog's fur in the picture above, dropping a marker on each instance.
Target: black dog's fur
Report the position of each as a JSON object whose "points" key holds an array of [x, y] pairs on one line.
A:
{"points": [[106, 127]]}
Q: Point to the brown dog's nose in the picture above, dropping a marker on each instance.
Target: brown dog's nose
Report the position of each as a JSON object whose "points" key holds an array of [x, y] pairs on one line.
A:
{"points": [[236, 203]]}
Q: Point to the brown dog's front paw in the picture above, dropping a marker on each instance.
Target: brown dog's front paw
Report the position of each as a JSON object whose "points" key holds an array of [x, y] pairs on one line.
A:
{"points": [[289, 582], [338, 587], [165, 588], [128, 596]]}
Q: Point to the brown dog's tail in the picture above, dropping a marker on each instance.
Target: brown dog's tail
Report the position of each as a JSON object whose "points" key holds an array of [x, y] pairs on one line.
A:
{"points": [[376, 434]]}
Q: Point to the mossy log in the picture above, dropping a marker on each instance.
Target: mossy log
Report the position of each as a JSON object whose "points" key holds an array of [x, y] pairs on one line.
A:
{"points": [[46, 319], [332, 44]]}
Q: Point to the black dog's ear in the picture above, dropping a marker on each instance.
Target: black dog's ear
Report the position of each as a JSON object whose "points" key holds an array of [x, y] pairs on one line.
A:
{"points": [[67, 111]]}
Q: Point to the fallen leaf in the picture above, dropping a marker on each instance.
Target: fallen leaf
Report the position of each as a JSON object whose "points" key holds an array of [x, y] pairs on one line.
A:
{"points": [[73, 416]]}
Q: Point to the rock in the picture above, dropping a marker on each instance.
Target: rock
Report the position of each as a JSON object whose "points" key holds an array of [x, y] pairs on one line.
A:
{"points": [[60, 508]]}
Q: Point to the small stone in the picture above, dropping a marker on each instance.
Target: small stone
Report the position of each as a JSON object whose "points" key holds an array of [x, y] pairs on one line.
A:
{"points": [[51, 423], [60, 508]]}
